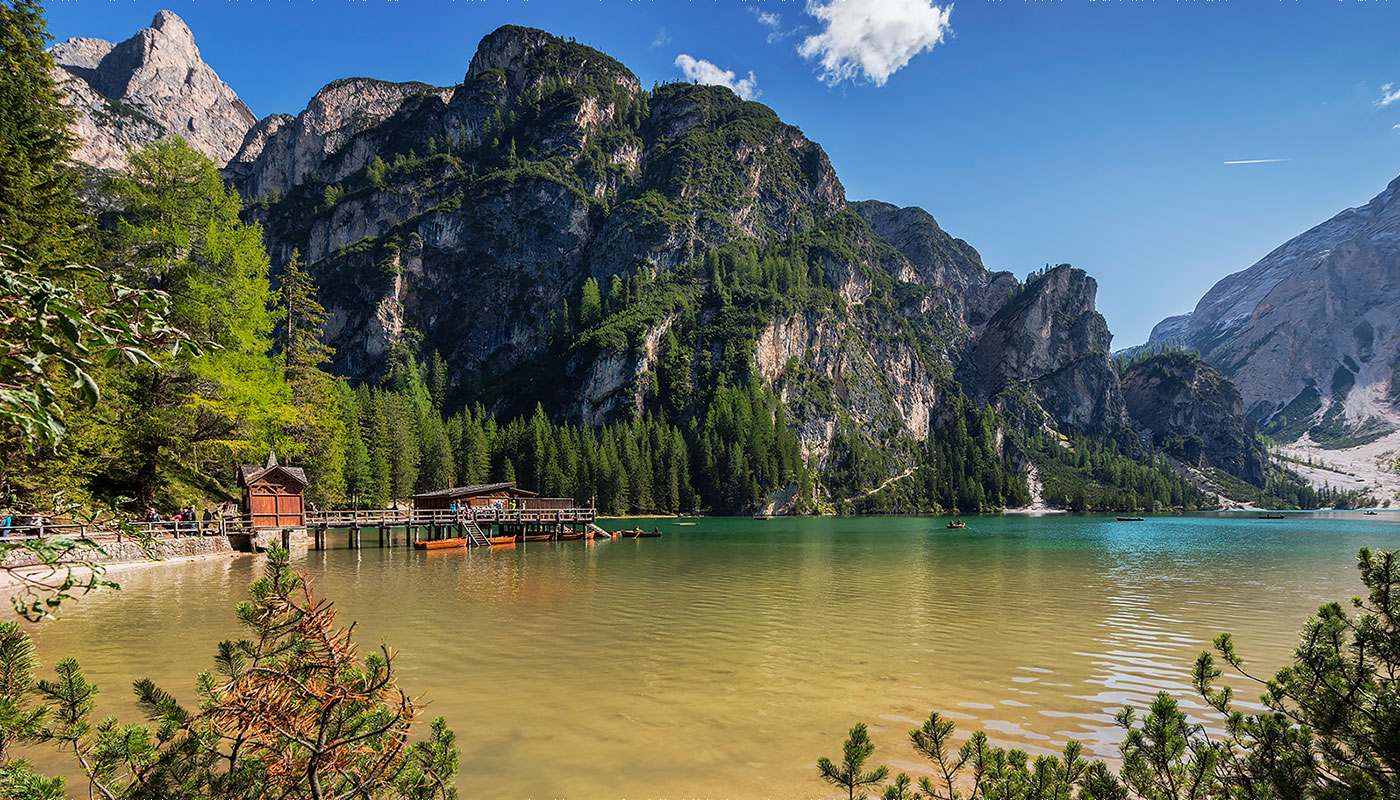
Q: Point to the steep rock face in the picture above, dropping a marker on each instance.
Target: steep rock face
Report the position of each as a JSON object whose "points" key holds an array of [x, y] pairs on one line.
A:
{"points": [[546, 166], [281, 152], [939, 260], [1319, 314], [1051, 338], [1194, 413], [150, 86]]}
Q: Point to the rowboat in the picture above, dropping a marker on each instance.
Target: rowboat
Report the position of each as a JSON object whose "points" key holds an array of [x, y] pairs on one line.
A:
{"points": [[1270, 516], [443, 544], [569, 536], [1370, 513], [538, 537], [500, 540], [638, 533], [761, 516], [1130, 519], [957, 524]]}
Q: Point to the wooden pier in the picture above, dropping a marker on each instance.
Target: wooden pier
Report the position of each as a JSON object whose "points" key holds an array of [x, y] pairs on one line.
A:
{"points": [[476, 527]]}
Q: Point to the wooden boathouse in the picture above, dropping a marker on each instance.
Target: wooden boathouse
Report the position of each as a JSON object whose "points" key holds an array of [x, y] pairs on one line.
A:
{"points": [[273, 495], [481, 515], [503, 495]]}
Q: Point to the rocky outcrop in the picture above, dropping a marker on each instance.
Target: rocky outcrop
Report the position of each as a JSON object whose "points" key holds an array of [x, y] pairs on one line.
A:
{"points": [[1194, 413], [282, 152], [1051, 338], [148, 87], [1320, 314], [939, 260]]}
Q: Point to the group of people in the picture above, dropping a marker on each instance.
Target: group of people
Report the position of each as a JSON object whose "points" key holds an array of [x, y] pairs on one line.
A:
{"points": [[499, 505], [186, 514]]}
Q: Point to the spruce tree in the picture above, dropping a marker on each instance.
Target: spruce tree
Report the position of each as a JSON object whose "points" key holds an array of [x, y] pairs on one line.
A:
{"points": [[39, 213]]}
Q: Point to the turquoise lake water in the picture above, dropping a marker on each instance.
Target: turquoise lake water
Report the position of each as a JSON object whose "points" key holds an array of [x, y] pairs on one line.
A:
{"points": [[723, 659]]}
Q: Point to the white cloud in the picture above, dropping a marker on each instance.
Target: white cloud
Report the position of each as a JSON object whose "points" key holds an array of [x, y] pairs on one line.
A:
{"points": [[1389, 94], [872, 39], [662, 38], [698, 70], [774, 23]]}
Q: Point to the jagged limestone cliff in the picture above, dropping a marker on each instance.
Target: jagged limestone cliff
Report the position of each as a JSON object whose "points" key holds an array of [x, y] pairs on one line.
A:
{"points": [[1311, 333], [148, 87], [1194, 413]]}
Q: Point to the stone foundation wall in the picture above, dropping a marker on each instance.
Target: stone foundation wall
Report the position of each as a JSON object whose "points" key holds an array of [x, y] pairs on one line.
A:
{"points": [[128, 551]]}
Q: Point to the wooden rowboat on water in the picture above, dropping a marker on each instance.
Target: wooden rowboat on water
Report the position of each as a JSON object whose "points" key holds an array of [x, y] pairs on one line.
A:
{"points": [[1271, 516], [443, 544], [638, 533], [500, 540], [570, 536], [1130, 519], [957, 524]]}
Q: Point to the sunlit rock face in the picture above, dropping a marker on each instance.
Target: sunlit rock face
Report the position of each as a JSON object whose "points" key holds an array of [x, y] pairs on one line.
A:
{"points": [[1319, 317], [148, 87]]}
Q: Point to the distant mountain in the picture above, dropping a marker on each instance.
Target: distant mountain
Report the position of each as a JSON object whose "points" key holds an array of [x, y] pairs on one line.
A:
{"points": [[1311, 333], [148, 87]]}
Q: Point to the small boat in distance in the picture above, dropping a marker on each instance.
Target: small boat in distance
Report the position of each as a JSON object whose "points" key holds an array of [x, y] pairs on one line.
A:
{"points": [[957, 524], [638, 533], [761, 516], [443, 544], [1370, 513], [1130, 519], [1270, 516]]}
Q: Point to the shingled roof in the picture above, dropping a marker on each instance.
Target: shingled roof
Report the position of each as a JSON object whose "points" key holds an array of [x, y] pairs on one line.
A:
{"points": [[473, 491], [247, 473]]}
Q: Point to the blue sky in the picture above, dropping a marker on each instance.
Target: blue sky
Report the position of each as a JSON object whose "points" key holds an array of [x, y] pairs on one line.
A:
{"points": [[1094, 133]]}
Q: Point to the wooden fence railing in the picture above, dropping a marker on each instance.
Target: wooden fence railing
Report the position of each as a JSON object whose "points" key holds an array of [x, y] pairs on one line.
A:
{"points": [[32, 529], [43, 529]]}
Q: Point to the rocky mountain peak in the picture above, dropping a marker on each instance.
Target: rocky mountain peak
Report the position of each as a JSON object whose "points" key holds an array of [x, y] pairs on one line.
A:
{"points": [[525, 55], [150, 86], [1051, 338], [1312, 328], [177, 33]]}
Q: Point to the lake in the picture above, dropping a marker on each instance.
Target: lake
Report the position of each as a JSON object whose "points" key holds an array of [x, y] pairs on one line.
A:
{"points": [[721, 660]]}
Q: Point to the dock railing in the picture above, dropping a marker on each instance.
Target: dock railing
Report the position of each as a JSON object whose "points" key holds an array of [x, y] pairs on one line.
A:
{"points": [[35, 528]]}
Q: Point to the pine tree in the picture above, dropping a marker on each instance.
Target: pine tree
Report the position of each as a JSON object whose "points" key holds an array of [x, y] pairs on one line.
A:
{"points": [[590, 305], [38, 185], [851, 774]]}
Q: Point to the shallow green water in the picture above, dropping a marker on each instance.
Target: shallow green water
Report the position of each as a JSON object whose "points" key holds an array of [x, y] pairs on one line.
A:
{"points": [[722, 659]]}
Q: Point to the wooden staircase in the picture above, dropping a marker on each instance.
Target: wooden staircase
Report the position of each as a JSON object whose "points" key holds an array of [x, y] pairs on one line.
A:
{"points": [[474, 533], [597, 531]]}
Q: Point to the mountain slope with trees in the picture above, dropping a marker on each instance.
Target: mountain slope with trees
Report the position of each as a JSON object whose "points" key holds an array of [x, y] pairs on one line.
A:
{"points": [[659, 299]]}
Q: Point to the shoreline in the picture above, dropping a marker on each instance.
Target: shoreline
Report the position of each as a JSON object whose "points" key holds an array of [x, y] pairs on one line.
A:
{"points": [[10, 579]]}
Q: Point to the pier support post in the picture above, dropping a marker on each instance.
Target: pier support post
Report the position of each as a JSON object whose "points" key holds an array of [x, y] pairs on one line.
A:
{"points": [[287, 539], [386, 537], [354, 537]]}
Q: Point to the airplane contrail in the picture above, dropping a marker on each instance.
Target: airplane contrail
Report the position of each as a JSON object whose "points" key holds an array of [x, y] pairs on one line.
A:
{"points": [[1257, 161]]}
